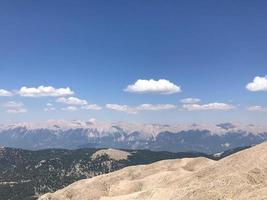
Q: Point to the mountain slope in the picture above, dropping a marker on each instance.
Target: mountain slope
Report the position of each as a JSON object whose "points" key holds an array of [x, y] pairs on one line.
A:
{"points": [[241, 176], [27, 174]]}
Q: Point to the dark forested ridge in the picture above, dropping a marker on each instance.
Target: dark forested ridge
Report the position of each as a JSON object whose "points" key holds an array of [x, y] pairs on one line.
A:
{"points": [[27, 174]]}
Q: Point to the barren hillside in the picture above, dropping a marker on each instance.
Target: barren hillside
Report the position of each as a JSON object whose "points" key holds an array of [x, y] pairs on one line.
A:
{"points": [[240, 176]]}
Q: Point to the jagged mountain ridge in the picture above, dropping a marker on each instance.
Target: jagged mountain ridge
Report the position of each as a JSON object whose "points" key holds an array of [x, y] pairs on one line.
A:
{"points": [[207, 138]]}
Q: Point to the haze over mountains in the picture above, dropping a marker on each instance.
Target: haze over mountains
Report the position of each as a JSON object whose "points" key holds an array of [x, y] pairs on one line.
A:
{"points": [[206, 138], [241, 176]]}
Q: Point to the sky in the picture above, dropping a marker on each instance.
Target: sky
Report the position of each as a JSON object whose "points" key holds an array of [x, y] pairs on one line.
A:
{"points": [[139, 61]]}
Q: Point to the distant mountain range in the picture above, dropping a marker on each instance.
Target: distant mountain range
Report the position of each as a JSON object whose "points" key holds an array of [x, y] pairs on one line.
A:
{"points": [[206, 138]]}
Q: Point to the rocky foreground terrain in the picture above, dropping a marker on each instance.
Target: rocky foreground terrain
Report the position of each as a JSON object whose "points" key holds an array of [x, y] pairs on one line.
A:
{"points": [[25, 175], [241, 176]]}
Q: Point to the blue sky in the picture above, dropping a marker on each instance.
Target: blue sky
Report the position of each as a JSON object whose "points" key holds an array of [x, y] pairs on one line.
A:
{"points": [[211, 50]]}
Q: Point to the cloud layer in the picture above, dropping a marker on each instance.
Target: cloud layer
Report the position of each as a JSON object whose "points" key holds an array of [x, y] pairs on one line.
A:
{"points": [[155, 107], [92, 107], [121, 108], [45, 91], [5, 93], [258, 84], [190, 100], [72, 101], [160, 86], [257, 109], [70, 109], [210, 106], [13, 107], [142, 107]]}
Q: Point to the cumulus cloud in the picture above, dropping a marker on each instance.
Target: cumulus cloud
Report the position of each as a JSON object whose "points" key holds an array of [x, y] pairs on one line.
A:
{"points": [[92, 107], [190, 100], [13, 104], [210, 106], [155, 107], [72, 101], [13, 107], [17, 111], [142, 107], [70, 109], [257, 109], [5, 93], [121, 108], [258, 84], [45, 91], [160, 86]]}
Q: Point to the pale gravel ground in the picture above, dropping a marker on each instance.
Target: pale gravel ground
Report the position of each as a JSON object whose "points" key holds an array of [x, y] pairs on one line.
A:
{"points": [[242, 176]]}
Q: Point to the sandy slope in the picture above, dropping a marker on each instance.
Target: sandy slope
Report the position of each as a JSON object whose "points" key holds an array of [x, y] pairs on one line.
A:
{"points": [[241, 176]]}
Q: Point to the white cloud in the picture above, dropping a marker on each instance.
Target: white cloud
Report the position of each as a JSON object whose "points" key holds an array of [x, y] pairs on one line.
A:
{"points": [[5, 93], [72, 101], [160, 86], [70, 109], [210, 106], [190, 100], [15, 107], [155, 107], [258, 84], [17, 111], [45, 91], [92, 107], [13, 104], [121, 108], [257, 109], [142, 107]]}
